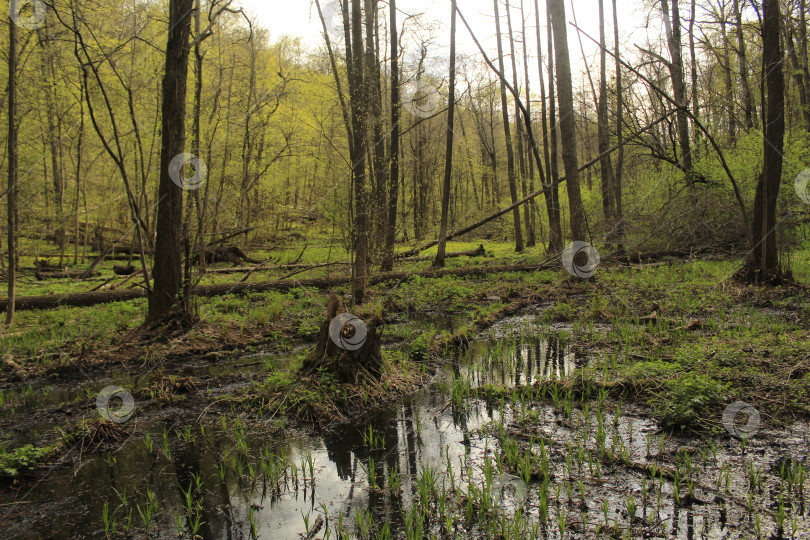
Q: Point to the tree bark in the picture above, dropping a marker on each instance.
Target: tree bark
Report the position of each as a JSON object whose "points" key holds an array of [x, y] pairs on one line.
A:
{"points": [[567, 123], [438, 262], [168, 271]]}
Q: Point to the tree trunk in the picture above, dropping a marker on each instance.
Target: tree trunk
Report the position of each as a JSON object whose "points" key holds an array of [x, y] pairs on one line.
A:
{"points": [[742, 60], [617, 184], [510, 155], [555, 243], [519, 130], [168, 272], [347, 347], [732, 118], [532, 207], [568, 130], [12, 170], [393, 178], [438, 262], [693, 61], [673, 30], [376, 146], [358, 161], [803, 51], [605, 164], [763, 264]]}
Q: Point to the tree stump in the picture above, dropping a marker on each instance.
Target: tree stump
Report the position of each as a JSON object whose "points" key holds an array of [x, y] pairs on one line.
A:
{"points": [[348, 347]]}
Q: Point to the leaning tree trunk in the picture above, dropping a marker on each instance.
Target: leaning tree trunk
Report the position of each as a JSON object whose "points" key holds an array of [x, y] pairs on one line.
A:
{"points": [[168, 270], [348, 348], [762, 263]]}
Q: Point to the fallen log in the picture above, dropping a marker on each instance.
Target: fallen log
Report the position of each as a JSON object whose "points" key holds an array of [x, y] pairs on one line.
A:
{"points": [[246, 269], [49, 301], [477, 252], [66, 274]]}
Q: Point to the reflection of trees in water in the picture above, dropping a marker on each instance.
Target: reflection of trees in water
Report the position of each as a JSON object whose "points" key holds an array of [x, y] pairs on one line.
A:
{"points": [[191, 460]]}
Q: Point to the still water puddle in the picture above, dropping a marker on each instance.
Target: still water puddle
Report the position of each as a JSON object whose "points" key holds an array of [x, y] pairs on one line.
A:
{"points": [[230, 477]]}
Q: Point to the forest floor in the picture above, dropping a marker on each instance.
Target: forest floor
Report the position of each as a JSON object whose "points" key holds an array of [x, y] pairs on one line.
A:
{"points": [[677, 339]]}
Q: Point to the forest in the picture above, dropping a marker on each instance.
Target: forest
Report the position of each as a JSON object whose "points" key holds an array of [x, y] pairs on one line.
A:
{"points": [[388, 269]]}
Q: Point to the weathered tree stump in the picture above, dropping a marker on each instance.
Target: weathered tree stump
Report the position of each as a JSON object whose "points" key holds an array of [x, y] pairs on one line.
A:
{"points": [[348, 347]]}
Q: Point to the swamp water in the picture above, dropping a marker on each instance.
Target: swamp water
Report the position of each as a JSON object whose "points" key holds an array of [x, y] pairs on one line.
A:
{"points": [[443, 463]]}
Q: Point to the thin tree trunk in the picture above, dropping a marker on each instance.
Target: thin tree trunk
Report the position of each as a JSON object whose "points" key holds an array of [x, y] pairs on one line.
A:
{"points": [[673, 30], [438, 262], [732, 119], [393, 178], [605, 165], [12, 170], [376, 146], [519, 130], [531, 224], [358, 108], [510, 155], [617, 185], [567, 124], [79, 152], [555, 242], [168, 270], [798, 75], [742, 60], [693, 61], [805, 58]]}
